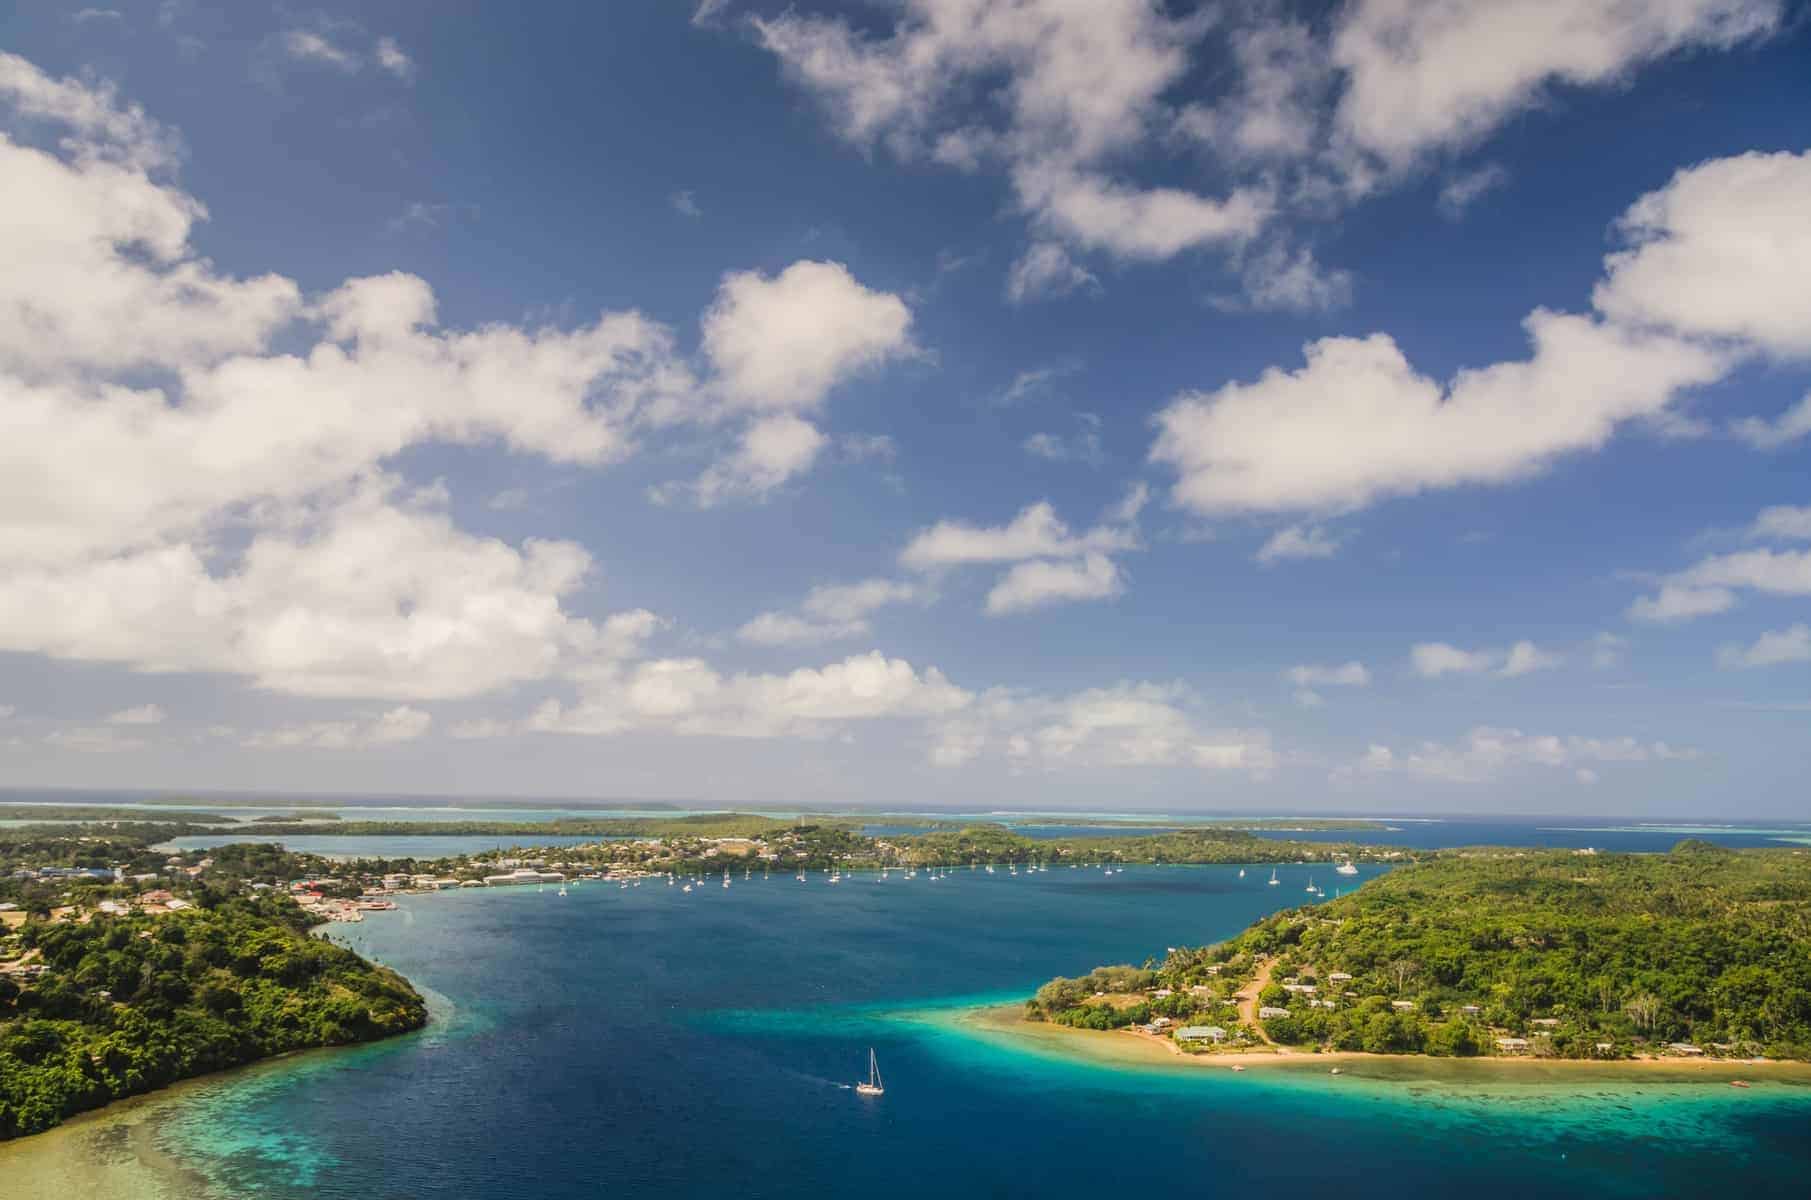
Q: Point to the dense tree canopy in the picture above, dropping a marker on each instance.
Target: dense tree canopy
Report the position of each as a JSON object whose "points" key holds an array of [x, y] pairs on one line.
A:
{"points": [[1578, 954], [131, 1004]]}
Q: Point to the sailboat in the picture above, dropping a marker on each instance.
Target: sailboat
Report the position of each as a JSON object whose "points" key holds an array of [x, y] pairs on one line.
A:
{"points": [[873, 1086], [1241, 872], [562, 889], [1273, 877], [1310, 886]]}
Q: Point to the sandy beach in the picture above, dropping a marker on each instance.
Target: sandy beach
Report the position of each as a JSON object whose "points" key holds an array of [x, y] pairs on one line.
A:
{"points": [[1129, 1049]]}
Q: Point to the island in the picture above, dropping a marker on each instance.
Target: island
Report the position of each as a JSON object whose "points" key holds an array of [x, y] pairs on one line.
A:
{"points": [[122, 971], [1702, 952], [827, 841]]}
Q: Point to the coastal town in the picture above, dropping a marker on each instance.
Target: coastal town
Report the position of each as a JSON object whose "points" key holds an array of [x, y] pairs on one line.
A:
{"points": [[112, 869]]}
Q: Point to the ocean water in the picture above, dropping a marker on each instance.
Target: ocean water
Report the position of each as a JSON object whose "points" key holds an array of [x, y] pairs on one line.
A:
{"points": [[645, 1042]]}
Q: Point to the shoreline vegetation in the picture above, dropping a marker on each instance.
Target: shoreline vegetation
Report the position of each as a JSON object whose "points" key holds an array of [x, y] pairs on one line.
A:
{"points": [[1700, 954], [666, 812], [736, 824], [1130, 1047], [125, 967], [117, 1006]]}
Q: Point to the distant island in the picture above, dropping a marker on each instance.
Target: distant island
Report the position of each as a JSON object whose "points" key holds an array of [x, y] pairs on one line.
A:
{"points": [[1702, 952], [836, 840]]}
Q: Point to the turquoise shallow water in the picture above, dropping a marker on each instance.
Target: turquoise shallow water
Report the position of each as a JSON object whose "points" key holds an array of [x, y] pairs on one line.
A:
{"points": [[645, 1042]]}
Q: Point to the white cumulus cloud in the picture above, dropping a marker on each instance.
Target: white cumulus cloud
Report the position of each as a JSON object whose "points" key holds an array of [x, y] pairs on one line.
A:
{"points": [[1434, 659], [1040, 583], [397, 725], [1488, 753], [142, 714], [1770, 649], [831, 613], [1126, 725], [1297, 542]]}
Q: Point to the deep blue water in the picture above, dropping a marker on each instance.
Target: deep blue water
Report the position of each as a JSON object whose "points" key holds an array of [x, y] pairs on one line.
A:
{"points": [[648, 1043]]}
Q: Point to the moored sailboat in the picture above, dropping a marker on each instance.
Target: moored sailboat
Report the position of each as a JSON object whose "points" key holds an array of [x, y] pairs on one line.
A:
{"points": [[872, 1086]]}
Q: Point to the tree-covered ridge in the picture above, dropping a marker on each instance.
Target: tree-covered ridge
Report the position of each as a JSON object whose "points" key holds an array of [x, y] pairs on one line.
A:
{"points": [[1560, 953], [90, 813], [117, 1006]]}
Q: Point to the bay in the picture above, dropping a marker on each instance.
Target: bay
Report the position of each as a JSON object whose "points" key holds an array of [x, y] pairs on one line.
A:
{"points": [[649, 1042]]}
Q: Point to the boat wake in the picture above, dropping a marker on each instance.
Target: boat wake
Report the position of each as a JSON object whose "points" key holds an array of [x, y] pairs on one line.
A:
{"points": [[820, 1081]]}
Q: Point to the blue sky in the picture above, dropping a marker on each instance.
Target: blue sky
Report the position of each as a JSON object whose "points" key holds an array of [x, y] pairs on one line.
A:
{"points": [[1257, 407]]}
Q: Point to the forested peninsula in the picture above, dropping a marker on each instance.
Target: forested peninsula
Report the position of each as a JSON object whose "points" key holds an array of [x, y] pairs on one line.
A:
{"points": [[96, 1010], [1703, 951]]}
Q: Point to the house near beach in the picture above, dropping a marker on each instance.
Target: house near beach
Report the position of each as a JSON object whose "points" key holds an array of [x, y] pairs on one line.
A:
{"points": [[1201, 1033]]}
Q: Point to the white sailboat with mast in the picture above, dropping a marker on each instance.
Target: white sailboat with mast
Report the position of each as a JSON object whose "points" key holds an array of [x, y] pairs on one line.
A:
{"points": [[872, 1087]]}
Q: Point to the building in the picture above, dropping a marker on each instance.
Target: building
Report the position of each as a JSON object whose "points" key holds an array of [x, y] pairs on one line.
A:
{"points": [[1201, 1033], [1512, 1045], [1471, 1010], [524, 875], [1268, 1011], [1403, 1005], [1339, 977]]}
